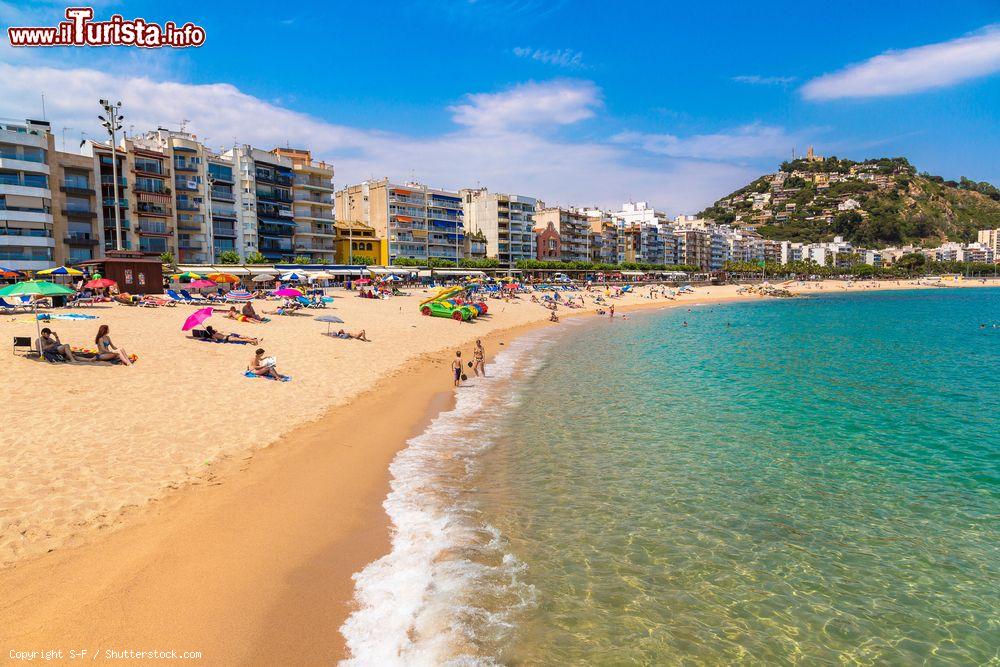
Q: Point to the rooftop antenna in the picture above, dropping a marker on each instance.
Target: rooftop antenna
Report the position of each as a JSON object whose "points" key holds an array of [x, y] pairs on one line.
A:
{"points": [[184, 122], [43, 107]]}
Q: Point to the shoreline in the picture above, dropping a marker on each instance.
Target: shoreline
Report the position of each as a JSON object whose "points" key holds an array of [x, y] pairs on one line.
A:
{"points": [[275, 533]]}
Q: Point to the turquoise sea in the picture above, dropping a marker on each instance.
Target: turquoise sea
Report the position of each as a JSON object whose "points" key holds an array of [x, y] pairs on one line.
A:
{"points": [[812, 480]]}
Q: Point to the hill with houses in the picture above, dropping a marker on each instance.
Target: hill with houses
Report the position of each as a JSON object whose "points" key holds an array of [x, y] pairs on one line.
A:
{"points": [[873, 203]]}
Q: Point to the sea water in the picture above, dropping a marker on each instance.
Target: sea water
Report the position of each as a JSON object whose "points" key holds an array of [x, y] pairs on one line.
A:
{"points": [[810, 480]]}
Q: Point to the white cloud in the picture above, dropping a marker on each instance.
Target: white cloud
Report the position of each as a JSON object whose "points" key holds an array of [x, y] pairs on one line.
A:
{"points": [[529, 104], [500, 139], [756, 79], [566, 58], [913, 70], [741, 143]]}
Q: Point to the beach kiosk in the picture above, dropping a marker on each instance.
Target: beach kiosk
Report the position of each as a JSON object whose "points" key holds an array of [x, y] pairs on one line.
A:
{"points": [[134, 273]]}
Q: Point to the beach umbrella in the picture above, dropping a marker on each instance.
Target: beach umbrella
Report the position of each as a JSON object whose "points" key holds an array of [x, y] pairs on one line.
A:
{"points": [[4, 269], [292, 276], [287, 292], [36, 288], [329, 319], [61, 271], [200, 284], [262, 278], [363, 281], [223, 278], [197, 318], [187, 275], [511, 286], [238, 295], [100, 283], [321, 275]]}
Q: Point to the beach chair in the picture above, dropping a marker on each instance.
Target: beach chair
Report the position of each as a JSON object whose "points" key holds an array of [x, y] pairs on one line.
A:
{"points": [[173, 296], [26, 345], [15, 307], [191, 297]]}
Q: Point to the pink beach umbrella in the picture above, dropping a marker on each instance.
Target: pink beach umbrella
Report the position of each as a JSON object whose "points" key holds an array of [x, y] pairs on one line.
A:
{"points": [[287, 292], [196, 318], [201, 284]]}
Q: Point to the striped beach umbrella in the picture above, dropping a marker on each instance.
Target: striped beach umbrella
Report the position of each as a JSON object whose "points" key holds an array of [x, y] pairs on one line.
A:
{"points": [[61, 271]]}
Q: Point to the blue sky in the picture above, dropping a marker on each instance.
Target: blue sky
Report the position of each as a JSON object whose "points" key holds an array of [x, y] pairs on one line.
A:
{"points": [[573, 102]]}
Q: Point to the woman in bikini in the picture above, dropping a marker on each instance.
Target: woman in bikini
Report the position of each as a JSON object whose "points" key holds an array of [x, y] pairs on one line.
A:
{"points": [[231, 337], [479, 359], [106, 350]]}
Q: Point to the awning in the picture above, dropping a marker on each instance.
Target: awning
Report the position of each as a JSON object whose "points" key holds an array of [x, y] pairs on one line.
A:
{"points": [[385, 271], [633, 273], [458, 272]]}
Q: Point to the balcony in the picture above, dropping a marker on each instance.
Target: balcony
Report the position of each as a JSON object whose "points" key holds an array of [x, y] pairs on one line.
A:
{"points": [[81, 238], [109, 224], [152, 229], [221, 230], [151, 188], [187, 206], [76, 188], [151, 168], [79, 213], [223, 194], [184, 165], [185, 185], [109, 180], [194, 246], [159, 211]]}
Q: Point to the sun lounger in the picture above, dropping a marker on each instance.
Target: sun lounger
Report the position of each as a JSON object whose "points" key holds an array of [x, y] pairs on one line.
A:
{"points": [[25, 343], [191, 297], [15, 307], [174, 296]]}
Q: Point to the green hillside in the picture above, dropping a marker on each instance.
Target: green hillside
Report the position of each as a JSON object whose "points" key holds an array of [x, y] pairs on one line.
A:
{"points": [[874, 203]]}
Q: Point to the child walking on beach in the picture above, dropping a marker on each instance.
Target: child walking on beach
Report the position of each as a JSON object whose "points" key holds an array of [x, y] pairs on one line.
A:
{"points": [[456, 368]]}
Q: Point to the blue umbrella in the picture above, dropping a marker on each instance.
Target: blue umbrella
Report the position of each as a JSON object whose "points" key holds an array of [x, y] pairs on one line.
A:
{"points": [[291, 276]]}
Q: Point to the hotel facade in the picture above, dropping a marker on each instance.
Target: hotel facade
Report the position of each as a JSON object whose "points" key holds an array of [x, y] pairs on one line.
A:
{"points": [[506, 221]]}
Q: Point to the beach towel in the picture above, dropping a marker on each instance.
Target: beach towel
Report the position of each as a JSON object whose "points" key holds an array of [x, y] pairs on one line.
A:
{"points": [[251, 374]]}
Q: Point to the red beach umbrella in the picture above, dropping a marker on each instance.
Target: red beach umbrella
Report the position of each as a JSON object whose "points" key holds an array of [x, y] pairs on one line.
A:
{"points": [[100, 283]]}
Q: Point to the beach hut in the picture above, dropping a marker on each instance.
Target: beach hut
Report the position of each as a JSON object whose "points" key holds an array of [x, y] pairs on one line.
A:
{"points": [[134, 274]]}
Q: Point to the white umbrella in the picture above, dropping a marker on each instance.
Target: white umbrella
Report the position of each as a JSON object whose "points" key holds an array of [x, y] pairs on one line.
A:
{"points": [[321, 275], [262, 278], [293, 277]]}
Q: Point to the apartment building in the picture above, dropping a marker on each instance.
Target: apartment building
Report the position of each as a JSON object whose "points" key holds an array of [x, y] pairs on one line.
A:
{"points": [[312, 205], [27, 240], [506, 221], [573, 228], [226, 231], [76, 226], [264, 202], [417, 222], [105, 162], [639, 213], [604, 235], [694, 247], [151, 206], [991, 239]]}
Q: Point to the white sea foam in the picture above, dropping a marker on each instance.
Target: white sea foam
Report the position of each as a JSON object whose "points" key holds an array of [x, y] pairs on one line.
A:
{"points": [[425, 602]]}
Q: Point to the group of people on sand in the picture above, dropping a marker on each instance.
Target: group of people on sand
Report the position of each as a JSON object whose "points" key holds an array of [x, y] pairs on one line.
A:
{"points": [[53, 349], [478, 364]]}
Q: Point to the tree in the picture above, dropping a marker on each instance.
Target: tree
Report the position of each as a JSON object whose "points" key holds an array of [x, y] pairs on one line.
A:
{"points": [[229, 257], [167, 258], [912, 262], [256, 258], [302, 259]]}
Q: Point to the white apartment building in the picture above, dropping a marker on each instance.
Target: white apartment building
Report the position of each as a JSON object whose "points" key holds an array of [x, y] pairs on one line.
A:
{"points": [[505, 220], [791, 252], [26, 227], [976, 252], [639, 213]]}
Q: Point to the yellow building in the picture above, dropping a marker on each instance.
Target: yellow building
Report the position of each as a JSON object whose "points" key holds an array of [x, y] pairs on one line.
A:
{"points": [[357, 243]]}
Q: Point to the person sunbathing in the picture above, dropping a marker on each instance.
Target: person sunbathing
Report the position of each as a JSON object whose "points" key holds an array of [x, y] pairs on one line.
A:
{"points": [[229, 337], [249, 312], [51, 347], [260, 365], [240, 317], [106, 350], [358, 336]]}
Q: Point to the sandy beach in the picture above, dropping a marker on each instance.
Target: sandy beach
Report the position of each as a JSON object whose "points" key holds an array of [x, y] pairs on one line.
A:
{"points": [[179, 505]]}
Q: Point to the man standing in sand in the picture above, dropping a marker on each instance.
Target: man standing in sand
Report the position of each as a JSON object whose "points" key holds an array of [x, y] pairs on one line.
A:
{"points": [[612, 310], [456, 368], [479, 359]]}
